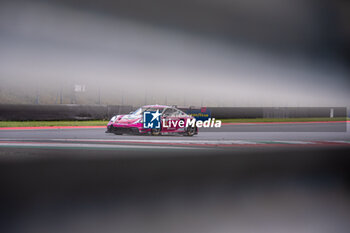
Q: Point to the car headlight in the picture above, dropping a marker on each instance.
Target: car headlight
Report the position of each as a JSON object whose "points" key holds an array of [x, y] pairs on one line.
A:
{"points": [[114, 118], [138, 121]]}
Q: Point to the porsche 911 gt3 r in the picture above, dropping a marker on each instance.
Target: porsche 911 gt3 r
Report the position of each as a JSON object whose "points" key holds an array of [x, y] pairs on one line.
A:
{"points": [[172, 121]]}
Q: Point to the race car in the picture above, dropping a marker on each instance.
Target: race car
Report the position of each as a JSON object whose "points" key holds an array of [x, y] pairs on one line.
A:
{"points": [[172, 121]]}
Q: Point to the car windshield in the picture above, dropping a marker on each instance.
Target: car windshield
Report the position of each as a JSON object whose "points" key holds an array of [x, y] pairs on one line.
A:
{"points": [[139, 111]]}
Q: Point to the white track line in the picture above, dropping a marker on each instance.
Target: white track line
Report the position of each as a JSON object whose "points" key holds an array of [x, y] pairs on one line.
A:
{"points": [[171, 142], [83, 145], [163, 141], [293, 142], [345, 142], [185, 142]]}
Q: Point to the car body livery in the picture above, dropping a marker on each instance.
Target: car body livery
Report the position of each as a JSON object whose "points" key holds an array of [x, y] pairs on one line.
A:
{"points": [[172, 120]]}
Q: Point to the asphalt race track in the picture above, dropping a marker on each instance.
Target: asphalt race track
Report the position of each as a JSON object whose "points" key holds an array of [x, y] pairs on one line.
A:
{"points": [[84, 180], [248, 136]]}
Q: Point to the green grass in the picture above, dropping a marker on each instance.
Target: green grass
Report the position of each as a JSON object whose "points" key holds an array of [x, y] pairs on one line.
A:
{"points": [[103, 123], [51, 123]]}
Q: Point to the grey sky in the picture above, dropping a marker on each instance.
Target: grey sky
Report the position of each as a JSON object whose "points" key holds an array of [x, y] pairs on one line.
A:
{"points": [[46, 46]]}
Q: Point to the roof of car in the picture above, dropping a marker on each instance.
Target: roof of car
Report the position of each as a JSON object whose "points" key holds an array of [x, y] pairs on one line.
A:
{"points": [[156, 106]]}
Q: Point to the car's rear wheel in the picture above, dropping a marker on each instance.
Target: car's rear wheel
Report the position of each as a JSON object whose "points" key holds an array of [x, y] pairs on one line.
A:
{"points": [[156, 132], [191, 131]]}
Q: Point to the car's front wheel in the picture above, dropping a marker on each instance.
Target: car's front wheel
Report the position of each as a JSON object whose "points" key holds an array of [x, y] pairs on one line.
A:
{"points": [[116, 131]]}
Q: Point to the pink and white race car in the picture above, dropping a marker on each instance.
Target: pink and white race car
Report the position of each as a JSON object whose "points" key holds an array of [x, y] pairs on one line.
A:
{"points": [[172, 121]]}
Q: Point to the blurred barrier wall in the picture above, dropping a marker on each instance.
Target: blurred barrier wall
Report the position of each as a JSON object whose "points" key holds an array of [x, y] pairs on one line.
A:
{"points": [[12, 112], [304, 112], [276, 112]]}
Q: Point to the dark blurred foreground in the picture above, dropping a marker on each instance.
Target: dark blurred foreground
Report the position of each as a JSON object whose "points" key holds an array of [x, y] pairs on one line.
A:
{"points": [[272, 190]]}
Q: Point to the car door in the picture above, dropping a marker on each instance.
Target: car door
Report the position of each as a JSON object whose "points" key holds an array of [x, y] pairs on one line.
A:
{"points": [[169, 117], [181, 116]]}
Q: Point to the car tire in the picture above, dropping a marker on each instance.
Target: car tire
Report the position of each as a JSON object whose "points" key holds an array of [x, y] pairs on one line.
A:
{"points": [[156, 132], [117, 132], [114, 130], [191, 131]]}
